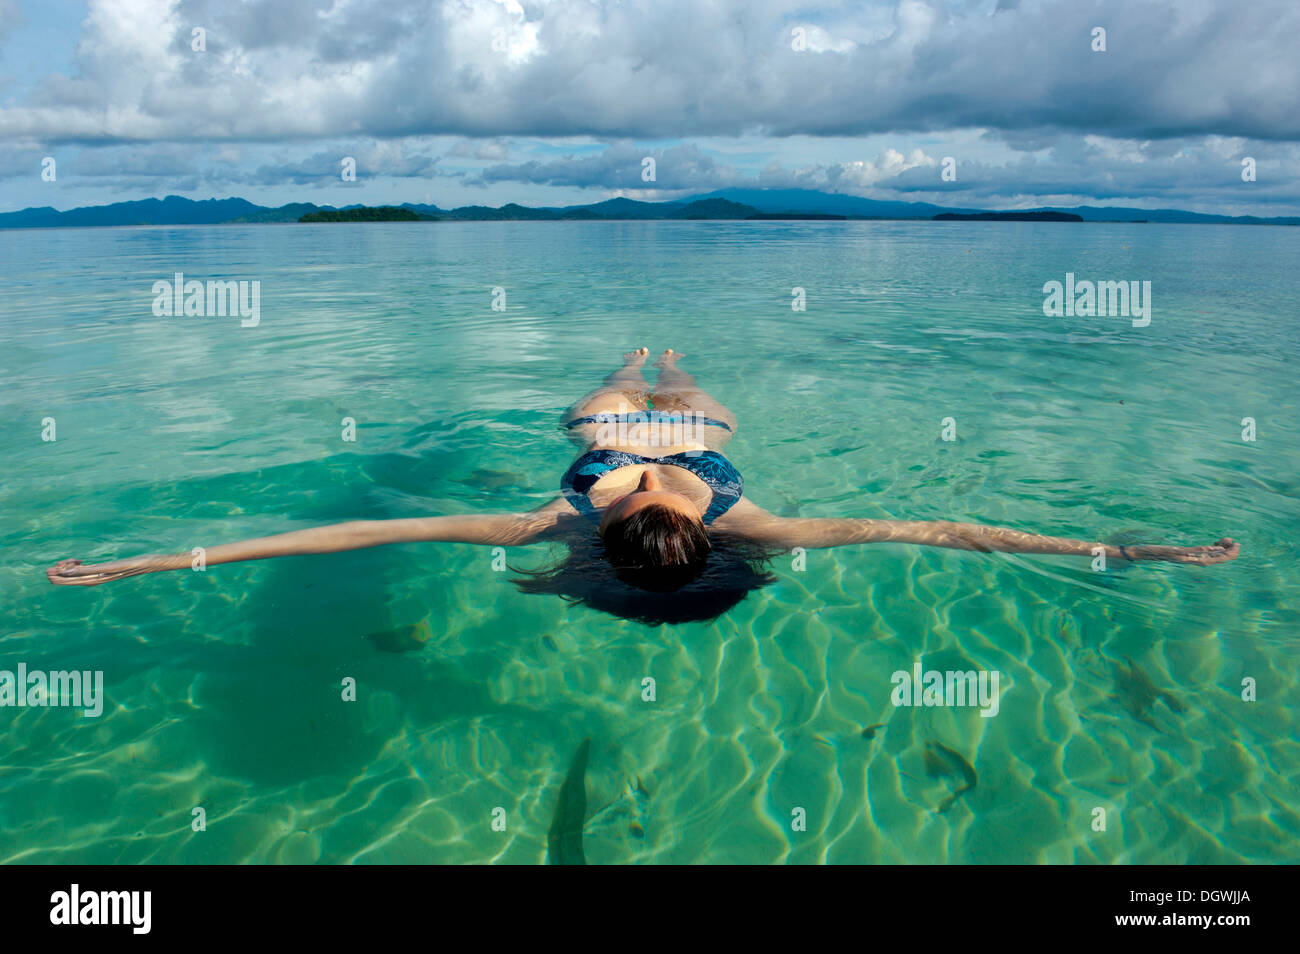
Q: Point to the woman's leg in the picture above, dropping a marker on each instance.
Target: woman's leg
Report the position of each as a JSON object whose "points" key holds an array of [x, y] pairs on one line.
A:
{"points": [[624, 390], [677, 391], [629, 377]]}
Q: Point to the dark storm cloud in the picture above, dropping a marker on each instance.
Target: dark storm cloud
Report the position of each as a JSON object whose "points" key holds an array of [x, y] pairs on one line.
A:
{"points": [[620, 167], [325, 167]]}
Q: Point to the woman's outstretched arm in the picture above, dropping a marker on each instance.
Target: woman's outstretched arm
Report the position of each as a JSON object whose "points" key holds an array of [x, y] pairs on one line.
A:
{"points": [[508, 529], [755, 523]]}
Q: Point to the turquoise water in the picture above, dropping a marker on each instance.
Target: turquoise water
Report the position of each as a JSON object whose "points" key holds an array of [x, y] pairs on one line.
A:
{"points": [[223, 687]]}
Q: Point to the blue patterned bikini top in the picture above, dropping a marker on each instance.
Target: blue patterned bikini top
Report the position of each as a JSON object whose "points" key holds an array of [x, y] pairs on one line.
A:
{"points": [[710, 466]]}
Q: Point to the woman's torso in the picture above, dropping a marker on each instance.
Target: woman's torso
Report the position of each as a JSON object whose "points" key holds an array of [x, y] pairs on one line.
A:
{"points": [[624, 434]]}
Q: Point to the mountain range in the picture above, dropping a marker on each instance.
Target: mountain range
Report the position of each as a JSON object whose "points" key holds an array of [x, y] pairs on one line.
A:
{"points": [[722, 204]]}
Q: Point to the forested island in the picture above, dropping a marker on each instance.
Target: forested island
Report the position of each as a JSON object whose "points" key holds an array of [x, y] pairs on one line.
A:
{"points": [[1043, 216], [381, 213]]}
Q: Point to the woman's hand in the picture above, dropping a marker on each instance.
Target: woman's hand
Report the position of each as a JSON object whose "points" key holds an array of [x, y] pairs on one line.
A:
{"points": [[1220, 551], [72, 573]]}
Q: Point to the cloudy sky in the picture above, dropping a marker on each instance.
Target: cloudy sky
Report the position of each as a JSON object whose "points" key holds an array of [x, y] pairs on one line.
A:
{"points": [[556, 102]]}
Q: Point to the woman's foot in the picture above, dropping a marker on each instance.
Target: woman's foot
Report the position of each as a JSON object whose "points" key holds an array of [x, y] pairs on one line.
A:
{"points": [[669, 359], [634, 359]]}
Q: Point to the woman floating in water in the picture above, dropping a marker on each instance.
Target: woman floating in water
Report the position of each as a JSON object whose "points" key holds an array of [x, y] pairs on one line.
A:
{"points": [[650, 508]]}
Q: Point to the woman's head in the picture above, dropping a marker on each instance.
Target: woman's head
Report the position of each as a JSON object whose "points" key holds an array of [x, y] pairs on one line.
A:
{"points": [[658, 548], [652, 543], [654, 537]]}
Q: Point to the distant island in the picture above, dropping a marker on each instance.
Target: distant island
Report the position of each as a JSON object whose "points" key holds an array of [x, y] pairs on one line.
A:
{"points": [[1008, 217], [362, 213], [732, 204]]}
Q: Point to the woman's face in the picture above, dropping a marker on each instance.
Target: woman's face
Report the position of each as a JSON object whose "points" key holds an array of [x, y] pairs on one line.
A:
{"points": [[649, 491]]}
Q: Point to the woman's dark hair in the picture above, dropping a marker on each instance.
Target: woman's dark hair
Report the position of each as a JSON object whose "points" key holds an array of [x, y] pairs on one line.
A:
{"points": [[658, 548], [657, 566]]}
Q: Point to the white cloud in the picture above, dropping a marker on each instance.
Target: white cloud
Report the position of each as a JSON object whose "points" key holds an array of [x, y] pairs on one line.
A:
{"points": [[887, 165], [281, 69]]}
